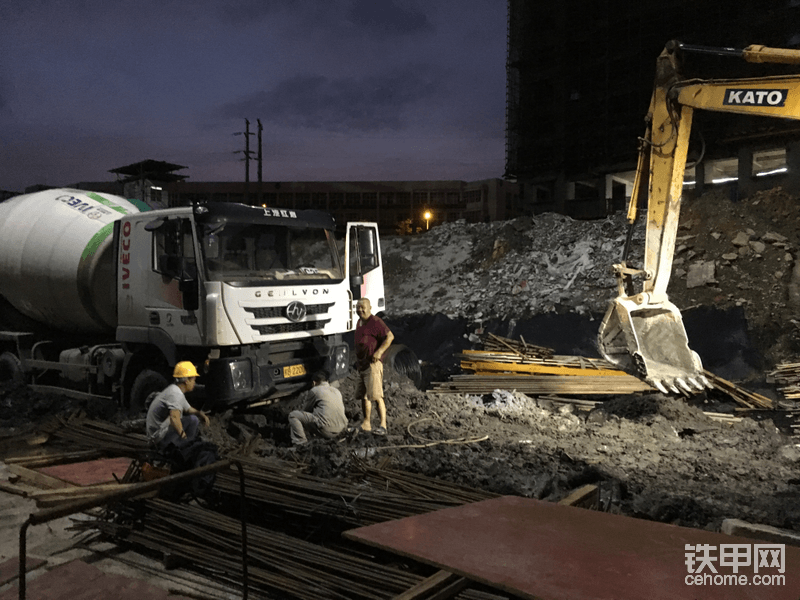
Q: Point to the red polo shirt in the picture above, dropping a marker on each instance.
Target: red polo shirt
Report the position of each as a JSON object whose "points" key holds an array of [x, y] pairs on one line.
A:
{"points": [[369, 336]]}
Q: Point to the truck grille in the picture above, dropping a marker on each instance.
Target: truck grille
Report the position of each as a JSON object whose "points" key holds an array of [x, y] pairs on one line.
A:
{"points": [[290, 327], [273, 312]]}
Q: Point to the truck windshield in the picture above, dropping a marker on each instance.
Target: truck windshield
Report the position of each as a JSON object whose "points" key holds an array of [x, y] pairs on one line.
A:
{"points": [[269, 254]]}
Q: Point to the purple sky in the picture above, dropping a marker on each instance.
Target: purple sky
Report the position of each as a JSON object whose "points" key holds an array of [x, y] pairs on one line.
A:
{"points": [[345, 89]]}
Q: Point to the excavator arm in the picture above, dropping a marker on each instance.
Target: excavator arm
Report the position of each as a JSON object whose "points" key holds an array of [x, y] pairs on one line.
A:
{"points": [[642, 331]]}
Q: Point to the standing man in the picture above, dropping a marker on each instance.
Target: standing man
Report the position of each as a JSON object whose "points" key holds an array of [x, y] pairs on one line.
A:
{"points": [[170, 418], [372, 339], [323, 414]]}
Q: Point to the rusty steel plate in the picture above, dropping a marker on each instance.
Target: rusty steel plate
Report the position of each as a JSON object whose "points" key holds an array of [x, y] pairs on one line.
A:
{"points": [[547, 551], [92, 472]]}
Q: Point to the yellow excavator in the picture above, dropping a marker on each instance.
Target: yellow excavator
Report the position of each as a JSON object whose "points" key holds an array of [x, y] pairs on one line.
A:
{"points": [[642, 332]]}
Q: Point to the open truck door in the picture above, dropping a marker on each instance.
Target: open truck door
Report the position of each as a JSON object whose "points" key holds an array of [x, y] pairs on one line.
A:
{"points": [[365, 265]]}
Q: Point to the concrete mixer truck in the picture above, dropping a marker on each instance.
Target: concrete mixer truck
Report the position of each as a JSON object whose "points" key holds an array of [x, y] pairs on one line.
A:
{"points": [[100, 296]]}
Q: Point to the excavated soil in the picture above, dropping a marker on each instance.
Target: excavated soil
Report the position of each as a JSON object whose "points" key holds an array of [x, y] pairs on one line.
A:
{"points": [[653, 456]]}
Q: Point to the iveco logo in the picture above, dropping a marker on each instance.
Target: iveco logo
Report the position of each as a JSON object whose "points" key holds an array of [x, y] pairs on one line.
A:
{"points": [[295, 311], [755, 97]]}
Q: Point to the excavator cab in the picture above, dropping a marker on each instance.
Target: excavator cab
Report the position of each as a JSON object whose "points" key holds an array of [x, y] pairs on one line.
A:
{"points": [[643, 332]]}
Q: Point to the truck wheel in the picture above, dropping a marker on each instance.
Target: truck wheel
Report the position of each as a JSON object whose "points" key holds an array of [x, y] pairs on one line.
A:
{"points": [[146, 383], [403, 360], [11, 368]]}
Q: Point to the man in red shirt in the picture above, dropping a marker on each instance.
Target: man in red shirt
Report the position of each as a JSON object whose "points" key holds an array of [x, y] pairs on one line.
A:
{"points": [[372, 339]]}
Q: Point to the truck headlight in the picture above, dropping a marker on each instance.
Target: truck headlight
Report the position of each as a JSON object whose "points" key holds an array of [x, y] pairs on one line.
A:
{"points": [[241, 375], [341, 359]]}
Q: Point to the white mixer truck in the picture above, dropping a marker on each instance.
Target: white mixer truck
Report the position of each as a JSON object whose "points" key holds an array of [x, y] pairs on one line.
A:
{"points": [[100, 296]]}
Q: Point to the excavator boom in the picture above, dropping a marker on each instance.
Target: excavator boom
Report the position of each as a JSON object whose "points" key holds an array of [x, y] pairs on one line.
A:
{"points": [[642, 331]]}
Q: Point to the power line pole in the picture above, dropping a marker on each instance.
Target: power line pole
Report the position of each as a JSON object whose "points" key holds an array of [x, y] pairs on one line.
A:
{"points": [[260, 162], [260, 129], [246, 158]]}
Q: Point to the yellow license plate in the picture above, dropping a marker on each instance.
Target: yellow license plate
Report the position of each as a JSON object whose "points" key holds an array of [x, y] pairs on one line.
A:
{"points": [[294, 371]]}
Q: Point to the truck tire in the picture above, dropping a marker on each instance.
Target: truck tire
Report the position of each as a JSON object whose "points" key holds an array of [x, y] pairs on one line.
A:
{"points": [[11, 368], [146, 383], [403, 360]]}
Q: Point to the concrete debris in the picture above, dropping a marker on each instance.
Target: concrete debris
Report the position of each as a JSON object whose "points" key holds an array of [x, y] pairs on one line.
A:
{"points": [[520, 267], [552, 264], [700, 273]]}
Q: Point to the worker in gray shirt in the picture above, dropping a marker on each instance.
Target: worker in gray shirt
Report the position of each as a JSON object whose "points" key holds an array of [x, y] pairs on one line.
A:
{"points": [[170, 418], [323, 414]]}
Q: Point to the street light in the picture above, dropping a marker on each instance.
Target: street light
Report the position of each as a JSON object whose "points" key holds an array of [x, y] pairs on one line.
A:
{"points": [[427, 216]]}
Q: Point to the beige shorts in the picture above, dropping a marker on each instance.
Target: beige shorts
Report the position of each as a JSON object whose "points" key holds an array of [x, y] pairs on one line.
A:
{"points": [[370, 382]]}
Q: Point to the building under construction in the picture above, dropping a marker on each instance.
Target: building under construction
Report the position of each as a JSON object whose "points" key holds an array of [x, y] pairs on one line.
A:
{"points": [[579, 79]]}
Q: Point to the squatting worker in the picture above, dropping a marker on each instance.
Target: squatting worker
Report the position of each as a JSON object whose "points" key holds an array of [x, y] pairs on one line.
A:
{"points": [[323, 414], [170, 418], [372, 340]]}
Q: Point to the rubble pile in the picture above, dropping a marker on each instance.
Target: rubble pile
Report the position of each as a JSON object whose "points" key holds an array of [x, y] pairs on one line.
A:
{"points": [[728, 254], [527, 266]]}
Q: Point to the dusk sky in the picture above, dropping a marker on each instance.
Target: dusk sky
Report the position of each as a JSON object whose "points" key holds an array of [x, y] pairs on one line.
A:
{"points": [[345, 89]]}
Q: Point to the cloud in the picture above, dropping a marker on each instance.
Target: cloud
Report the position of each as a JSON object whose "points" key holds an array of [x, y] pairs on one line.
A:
{"points": [[388, 17], [371, 103], [247, 11], [385, 17]]}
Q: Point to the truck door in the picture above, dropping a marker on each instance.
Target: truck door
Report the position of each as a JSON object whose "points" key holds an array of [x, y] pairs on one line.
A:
{"points": [[175, 305], [364, 264]]}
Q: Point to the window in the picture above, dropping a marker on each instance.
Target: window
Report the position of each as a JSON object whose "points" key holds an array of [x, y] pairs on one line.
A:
{"points": [[363, 251], [173, 248]]}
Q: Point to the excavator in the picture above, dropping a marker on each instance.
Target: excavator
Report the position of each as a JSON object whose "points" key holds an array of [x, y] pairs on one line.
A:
{"points": [[642, 331]]}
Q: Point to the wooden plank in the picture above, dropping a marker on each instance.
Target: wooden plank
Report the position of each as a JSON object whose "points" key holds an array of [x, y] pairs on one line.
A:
{"points": [[541, 384], [75, 491], [482, 366], [19, 490], [433, 588], [19, 443], [38, 479], [45, 460], [587, 496]]}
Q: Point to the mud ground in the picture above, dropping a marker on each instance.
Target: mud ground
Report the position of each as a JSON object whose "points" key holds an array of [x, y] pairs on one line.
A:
{"points": [[653, 456]]}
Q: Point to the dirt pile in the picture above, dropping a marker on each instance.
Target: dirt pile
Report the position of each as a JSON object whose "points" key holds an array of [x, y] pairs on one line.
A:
{"points": [[728, 254], [744, 253]]}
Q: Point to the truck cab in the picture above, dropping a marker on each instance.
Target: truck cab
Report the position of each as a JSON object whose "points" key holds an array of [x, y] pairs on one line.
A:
{"points": [[257, 297]]}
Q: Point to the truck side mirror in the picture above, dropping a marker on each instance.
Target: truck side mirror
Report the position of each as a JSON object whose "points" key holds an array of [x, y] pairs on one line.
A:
{"points": [[190, 293], [168, 265], [369, 262], [177, 267]]}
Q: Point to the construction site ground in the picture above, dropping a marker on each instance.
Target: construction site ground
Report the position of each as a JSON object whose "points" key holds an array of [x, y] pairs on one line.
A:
{"points": [[692, 462]]}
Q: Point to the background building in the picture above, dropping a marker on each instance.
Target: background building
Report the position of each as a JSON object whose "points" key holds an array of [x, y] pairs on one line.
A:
{"points": [[579, 78], [394, 205], [389, 203]]}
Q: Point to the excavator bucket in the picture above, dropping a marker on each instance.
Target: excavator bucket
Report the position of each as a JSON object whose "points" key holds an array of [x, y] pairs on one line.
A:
{"points": [[650, 341]]}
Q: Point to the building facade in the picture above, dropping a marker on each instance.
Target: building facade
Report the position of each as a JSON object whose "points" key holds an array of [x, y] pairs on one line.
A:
{"points": [[579, 78], [389, 203]]}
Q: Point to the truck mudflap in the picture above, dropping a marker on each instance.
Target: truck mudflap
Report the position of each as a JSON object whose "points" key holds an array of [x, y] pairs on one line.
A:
{"points": [[650, 341]]}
